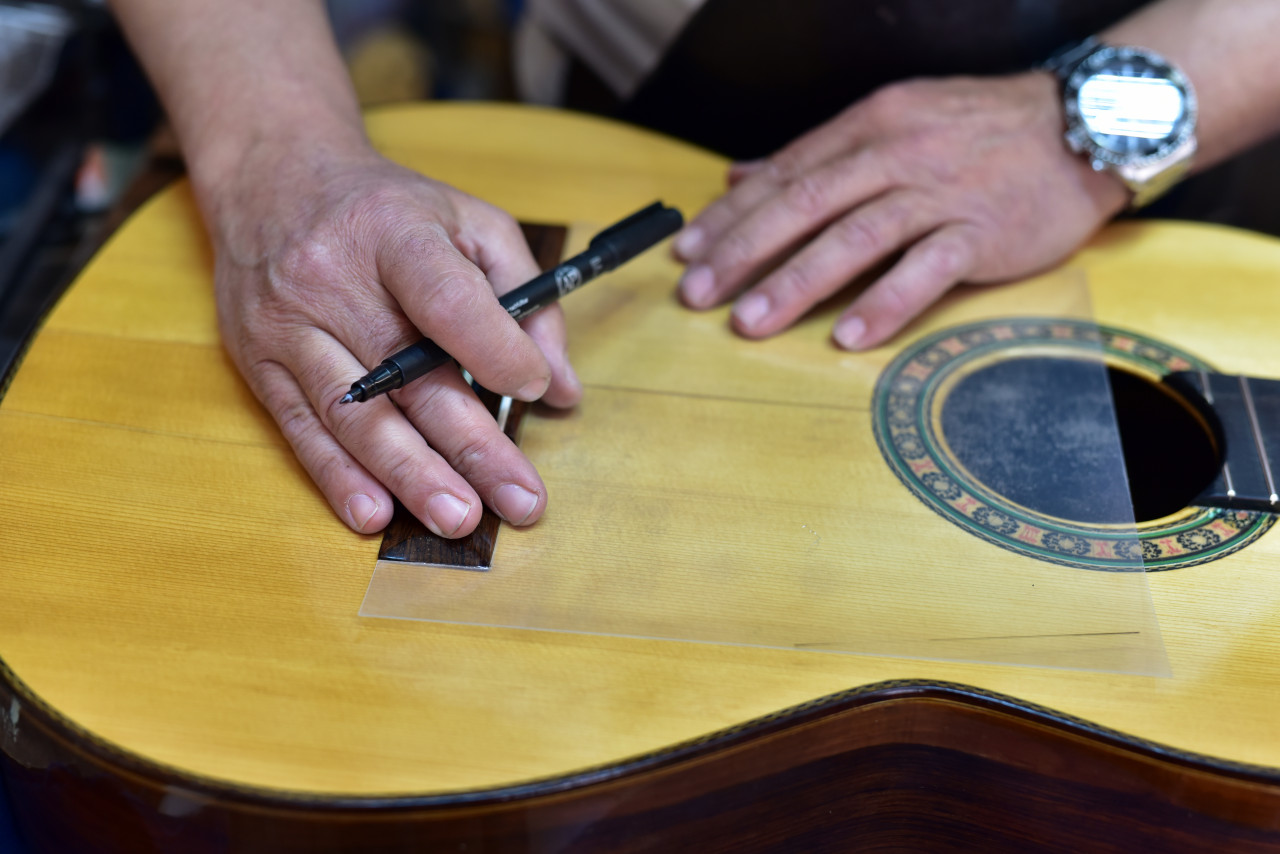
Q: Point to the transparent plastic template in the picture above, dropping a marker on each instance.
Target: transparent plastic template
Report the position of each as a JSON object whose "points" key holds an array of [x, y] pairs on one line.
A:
{"points": [[743, 500]]}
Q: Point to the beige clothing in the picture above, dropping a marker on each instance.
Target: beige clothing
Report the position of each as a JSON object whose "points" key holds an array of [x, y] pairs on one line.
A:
{"points": [[620, 40]]}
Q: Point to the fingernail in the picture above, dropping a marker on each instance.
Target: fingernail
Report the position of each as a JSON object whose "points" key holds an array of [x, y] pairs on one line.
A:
{"points": [[751, 309], [514, 503], [849, 332], [688, 242], [533, 390], [697, 284], [446, 513], [360, 509]]}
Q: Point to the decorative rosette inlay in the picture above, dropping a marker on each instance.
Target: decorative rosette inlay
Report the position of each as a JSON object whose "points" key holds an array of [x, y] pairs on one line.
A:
{"points": [[912, 434]]}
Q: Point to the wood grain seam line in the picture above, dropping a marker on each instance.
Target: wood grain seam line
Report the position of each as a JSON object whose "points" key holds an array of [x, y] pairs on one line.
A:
{"points": [[817, 644], [689, 395], [1032, 637], [747, 503], [88, 422], [134, 337]]}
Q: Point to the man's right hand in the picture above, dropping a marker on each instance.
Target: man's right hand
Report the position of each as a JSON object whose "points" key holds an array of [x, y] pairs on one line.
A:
{"points": [[327, 263], [329, 258]]}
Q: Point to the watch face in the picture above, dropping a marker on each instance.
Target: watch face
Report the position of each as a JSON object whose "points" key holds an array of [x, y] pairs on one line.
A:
{"points": [[1132, 105]]}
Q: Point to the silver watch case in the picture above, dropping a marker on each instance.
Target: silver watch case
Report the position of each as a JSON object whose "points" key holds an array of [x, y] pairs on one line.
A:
{"points": [[1148, 175]]}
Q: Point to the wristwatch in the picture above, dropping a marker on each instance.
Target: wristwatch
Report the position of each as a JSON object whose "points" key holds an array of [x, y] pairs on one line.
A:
{"points": [[1130, 112]]}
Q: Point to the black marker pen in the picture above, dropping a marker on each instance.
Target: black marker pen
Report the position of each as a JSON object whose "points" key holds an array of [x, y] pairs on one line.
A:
{"points": [[610, 248]]}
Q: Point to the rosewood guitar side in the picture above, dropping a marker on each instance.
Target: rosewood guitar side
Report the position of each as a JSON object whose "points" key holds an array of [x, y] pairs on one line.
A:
{"points": [[895, 766]]}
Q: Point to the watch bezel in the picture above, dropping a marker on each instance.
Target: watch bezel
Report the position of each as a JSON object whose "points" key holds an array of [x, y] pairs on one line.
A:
{"points": [[1097, 62]]}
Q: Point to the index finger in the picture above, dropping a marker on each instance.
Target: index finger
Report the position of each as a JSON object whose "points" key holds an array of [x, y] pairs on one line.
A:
{"points": [[450, 300], [764, 179], [499, 248]]}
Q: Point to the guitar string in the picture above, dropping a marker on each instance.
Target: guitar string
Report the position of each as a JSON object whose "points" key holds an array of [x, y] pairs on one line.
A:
{"points": [[1226, 467], [1257, 438]]}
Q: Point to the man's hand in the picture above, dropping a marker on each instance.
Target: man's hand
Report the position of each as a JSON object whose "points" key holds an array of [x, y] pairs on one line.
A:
{"points": [[962, 179], [326, 264], [329, 258]]}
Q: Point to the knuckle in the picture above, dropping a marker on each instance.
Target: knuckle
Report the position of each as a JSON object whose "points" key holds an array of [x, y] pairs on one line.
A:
{"points": [[405, 476], [291, 288], [784, 166], [294, 418], [809, 195], [328, 470], [890, 102], [946, 259], [317, 372], [472, 432], [895, 299], [473, 448], [798, 281], [485, 226], [306, 261], [451, 293], [737, 248], [500, 219], [424, 402], [378, 202], [333, 414], [858, 237], [419, 246]]}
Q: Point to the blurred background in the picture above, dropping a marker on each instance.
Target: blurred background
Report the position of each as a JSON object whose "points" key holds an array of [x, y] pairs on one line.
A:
{"points": [[82, 136]]}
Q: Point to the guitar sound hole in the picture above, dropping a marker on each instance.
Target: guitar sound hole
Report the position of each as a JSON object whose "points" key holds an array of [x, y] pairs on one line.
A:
{"points": [[1040, 431]]}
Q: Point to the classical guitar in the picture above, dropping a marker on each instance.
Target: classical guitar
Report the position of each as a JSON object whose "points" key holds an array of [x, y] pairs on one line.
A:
{"points": [[784, 598]]}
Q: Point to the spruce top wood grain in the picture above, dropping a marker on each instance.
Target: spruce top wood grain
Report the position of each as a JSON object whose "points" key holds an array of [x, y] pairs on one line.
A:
{"points": [[175, 587]]}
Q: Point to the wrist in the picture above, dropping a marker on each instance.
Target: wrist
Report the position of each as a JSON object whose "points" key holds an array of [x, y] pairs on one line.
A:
{"points": [[267, 144], [254, 182], [1107, 192], [1128, 113]]}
